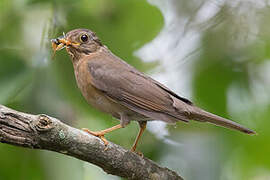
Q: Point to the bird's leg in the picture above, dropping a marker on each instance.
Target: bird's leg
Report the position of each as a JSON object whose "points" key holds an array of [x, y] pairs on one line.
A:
{"points": [[142, 128], [101, 134]]}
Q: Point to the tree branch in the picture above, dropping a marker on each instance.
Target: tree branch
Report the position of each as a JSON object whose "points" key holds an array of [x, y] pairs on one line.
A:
{"points": [[44, 132]]}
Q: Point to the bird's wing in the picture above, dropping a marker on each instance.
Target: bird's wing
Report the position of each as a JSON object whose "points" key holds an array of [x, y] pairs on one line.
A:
{"points": [[140, 93], [136, 91]]}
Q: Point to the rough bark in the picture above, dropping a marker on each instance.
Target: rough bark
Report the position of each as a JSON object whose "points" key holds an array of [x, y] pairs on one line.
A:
{"points": [[44, 132]]}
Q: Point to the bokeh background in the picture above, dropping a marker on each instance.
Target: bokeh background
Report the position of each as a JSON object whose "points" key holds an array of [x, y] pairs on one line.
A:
{"points": [[215, 52]]}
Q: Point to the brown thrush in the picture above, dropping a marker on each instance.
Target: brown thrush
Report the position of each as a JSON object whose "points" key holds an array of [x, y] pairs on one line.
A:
{"points": [[111, 85]]}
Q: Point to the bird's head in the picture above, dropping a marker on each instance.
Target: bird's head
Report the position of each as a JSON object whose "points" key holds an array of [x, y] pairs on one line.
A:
{"points": [[77, 42]]}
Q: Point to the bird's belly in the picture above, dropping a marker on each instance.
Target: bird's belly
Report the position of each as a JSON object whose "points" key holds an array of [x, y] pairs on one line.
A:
{"points": [[103, 103], [100, 101]]}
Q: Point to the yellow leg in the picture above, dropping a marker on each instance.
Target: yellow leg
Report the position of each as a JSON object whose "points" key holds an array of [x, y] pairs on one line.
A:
{"points": [[101, 134], [142, 128]]}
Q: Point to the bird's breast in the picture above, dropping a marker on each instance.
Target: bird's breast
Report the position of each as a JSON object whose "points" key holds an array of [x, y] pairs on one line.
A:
{"points": [[94, 96]]}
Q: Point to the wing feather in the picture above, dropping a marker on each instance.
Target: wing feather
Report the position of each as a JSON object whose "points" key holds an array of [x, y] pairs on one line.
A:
{"points": [[132, 89]]}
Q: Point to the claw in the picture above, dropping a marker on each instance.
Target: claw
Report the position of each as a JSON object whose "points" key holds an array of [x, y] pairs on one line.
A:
{"points": [[101, 134], [104, 140], [97, 134]]}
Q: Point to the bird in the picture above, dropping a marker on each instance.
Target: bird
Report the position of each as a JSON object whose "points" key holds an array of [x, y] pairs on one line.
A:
{"points": [[113, 86]]}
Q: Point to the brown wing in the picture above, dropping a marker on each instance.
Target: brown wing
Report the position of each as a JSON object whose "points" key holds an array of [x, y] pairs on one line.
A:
{"points": [[134, 90], [142, 94]]}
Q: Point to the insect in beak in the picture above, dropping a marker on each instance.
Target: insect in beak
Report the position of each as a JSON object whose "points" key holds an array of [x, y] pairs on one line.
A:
{"points": [[60, 43]]}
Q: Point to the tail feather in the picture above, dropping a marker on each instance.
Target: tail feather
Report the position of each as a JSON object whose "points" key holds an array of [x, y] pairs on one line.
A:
{"points": [[204, 116]]}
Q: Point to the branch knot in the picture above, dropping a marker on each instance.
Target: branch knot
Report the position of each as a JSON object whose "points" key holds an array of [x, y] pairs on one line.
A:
{"points": [[44, 123]]}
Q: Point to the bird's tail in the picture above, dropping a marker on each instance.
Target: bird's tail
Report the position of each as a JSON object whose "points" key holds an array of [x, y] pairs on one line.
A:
{"points": [[203, 116]]}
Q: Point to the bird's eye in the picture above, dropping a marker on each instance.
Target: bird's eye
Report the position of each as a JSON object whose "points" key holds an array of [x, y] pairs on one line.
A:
{"points": [[84, 38]]}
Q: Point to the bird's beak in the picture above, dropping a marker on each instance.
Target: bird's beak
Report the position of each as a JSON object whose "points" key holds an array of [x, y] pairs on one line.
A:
{"points": [[60, 43]]}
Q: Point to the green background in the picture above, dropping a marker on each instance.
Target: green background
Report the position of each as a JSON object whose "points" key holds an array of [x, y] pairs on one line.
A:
{"points": [[228, 75]]}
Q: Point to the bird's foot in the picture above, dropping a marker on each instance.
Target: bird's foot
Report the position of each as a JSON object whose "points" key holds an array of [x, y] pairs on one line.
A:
{"points": [[99, 134], [137, 152], [133, 149]]}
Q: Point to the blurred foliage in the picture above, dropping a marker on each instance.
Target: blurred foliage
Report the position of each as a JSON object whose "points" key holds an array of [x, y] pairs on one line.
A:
{"points": [[229, 76]]}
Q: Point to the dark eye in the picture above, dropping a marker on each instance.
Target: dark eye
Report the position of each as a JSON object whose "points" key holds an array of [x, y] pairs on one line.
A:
{"points": [[84, 38]]}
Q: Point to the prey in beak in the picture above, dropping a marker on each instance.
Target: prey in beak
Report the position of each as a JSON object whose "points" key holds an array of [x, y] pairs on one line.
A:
{"points": [[60, 43]]}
